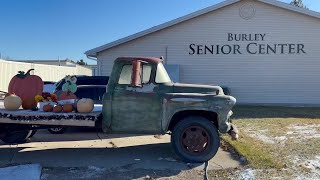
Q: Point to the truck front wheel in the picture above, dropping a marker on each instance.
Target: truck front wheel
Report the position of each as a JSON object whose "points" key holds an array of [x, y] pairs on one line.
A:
{"points": [[13, 137], [195, 139]]}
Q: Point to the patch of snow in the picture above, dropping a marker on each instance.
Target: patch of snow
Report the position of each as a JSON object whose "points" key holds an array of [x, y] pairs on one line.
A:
{"points": [[170, 159], [313, 165], [281, 138], [261, 135], [297, 132], [90, 173], [247, 174], [304, 131], [97, 169], [265, 138]]}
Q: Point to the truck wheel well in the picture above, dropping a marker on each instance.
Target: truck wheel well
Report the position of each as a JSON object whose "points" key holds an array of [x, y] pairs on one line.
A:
{"points": [[211, 116]]}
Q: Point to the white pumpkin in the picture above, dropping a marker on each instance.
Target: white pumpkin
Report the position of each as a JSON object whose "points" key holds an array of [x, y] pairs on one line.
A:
{"points": [[85, 105], [12, 102]]}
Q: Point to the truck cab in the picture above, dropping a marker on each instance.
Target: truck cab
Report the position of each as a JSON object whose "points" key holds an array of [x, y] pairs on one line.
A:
{"points": [[142, 99]]}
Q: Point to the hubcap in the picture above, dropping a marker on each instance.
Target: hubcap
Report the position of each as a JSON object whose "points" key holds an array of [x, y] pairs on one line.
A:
{"points": [[195, 139]]}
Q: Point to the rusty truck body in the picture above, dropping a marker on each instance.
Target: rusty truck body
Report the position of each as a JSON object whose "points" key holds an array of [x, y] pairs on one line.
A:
{"points": [[142, 99]]}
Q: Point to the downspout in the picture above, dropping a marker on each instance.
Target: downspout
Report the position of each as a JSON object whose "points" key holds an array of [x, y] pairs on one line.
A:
{"points": [[95, 59], [166, 55]]}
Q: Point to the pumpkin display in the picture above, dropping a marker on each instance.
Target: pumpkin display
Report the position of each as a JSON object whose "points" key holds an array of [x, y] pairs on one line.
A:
{"points": [[26, 86], [69, 88], [47, 108], [57, 108], [12, 102], [85, 105], [67, 108]]}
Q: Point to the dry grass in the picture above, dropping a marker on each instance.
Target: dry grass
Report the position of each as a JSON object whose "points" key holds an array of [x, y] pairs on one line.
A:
{"points": [[279, 138], [256, 153]]}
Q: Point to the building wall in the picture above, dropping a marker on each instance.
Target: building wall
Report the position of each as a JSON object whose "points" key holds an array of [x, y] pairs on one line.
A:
{"points": [[48, 62], [252, 78], [9, 69]]}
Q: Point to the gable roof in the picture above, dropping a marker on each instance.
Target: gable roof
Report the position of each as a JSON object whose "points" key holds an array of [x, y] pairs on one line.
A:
{"points": [[93, 52]]}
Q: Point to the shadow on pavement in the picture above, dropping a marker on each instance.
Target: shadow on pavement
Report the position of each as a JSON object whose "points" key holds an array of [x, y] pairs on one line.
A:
{"points": [[158, 157]]}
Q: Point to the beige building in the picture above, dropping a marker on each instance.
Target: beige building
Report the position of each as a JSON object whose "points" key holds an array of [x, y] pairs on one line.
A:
{"points": [[8, 69], [264, 51], [66, 62], [56, 62]]}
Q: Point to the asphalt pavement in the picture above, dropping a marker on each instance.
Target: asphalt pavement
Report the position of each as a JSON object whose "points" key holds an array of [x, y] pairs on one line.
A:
{"points": [[83, 149]]}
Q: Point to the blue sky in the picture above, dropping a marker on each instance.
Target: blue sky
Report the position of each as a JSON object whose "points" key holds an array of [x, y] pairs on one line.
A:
{"points": [[48, 29]]}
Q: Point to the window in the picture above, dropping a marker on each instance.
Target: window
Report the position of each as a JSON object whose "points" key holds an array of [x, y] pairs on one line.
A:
{"points": [[146, 71], [162, 75], [126, 73], [125, 76]]}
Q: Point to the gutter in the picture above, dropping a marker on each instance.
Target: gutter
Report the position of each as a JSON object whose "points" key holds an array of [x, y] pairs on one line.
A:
{"points": [[92, 58], [95, 59]]}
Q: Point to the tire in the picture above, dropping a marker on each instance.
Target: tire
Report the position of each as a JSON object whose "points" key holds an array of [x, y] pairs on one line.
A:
{"points": [[57, 130], [195, 139], [16, 137]]}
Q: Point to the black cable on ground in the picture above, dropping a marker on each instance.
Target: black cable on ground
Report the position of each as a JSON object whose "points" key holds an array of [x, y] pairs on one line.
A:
{"points": [[206, 164]]}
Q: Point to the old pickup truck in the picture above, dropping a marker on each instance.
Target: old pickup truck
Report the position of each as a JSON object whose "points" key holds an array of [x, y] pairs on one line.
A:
{"points": [[141, 99]]}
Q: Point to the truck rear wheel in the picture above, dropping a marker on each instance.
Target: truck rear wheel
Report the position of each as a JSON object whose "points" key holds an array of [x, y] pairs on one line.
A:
{"points": [[13, 137], [57, 130], [195, 139]]}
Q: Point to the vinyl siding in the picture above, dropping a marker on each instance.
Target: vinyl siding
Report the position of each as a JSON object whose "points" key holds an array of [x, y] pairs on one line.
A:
{"points": [[268, 78]]}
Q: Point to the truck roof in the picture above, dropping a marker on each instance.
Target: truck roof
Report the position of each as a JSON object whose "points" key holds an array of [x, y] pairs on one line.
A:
{"points": [[147, 59]]}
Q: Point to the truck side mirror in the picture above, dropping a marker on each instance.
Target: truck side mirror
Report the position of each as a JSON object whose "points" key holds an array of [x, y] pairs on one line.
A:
{"points": [[136, 78]]}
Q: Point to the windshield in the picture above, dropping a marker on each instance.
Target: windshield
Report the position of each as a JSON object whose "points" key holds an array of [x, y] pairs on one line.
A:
{"points": [[162, 75]]}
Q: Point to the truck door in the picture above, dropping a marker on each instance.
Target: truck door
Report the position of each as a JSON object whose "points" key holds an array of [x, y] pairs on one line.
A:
{"points": [[136, 107]]}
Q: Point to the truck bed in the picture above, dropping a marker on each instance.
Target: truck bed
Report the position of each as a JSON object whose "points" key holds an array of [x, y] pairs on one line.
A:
{"points": [[50, 118]]}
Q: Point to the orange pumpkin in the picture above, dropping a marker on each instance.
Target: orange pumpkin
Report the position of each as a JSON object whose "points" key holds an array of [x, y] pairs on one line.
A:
{"points": [[26, 86], [67, 95], [28, 103], [47, 108], [67, 108], [57, 108]]}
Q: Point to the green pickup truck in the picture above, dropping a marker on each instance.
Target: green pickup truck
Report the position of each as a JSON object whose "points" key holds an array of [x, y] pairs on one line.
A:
{"points": [[141, 99]]}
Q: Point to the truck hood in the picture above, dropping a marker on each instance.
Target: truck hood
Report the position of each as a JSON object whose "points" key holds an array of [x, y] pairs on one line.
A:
{"points": [[195, 88]]}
